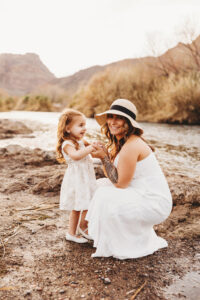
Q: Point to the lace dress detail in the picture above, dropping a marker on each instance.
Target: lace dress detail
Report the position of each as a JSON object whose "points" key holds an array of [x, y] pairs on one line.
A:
{"points": [[79, 182]]}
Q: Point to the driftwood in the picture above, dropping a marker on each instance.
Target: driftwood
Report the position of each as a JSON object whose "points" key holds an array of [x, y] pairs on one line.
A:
{"points": [[37, 207], [138, 291]]}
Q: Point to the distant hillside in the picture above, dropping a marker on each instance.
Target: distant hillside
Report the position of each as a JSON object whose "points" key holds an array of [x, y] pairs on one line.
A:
{"points": [[23, 74], [71, 83], [66, 87], [174, 60], [164, 88], [19, 74]]}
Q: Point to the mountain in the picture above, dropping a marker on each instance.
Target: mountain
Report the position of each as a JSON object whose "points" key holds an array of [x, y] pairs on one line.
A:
{"points": [[182, 57], [26, 74], [67, 85], [21, 73]]}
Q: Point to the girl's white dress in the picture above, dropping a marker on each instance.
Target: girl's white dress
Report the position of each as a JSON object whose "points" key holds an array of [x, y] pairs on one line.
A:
{"points": [[79, 182], [121, 220]]}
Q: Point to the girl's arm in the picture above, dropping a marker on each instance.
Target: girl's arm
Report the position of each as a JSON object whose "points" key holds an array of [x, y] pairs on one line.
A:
{"points": [[77, 154]]}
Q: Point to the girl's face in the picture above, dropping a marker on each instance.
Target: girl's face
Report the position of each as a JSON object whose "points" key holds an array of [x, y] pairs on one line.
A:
{"points": [[116, 125], [77, 127]]}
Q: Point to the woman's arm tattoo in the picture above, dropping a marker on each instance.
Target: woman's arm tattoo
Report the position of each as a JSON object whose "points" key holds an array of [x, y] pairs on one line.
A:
{"points": [[110, 170]]}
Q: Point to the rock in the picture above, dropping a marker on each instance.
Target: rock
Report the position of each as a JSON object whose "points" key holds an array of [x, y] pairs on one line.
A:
{"points": [[10, 128], [51, 184], [27, 293], [106, 280], [73, 282], [184, 190], [15, 187], [14, 149]]}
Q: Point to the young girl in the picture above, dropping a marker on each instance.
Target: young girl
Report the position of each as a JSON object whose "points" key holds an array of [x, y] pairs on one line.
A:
{"points": [[79, 182]]}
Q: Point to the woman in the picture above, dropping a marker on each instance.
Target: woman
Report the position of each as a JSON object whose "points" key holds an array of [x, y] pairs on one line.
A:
{"points": [[135, 195]]}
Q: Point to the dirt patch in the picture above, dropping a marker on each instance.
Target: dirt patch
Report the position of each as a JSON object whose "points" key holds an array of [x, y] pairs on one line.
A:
{"points": [[36, 262]]}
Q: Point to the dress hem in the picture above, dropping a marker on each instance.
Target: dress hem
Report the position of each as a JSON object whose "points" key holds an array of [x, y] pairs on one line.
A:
{"points": [[129, 257]]}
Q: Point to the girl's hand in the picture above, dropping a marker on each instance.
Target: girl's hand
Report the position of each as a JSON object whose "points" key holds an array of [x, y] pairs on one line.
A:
{"points": [[101, 145], [99, 151], [91, 148]]}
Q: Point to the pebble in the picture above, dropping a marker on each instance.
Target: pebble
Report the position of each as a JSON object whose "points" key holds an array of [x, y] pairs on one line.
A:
{"points": [[27, 293], [41, 224], [106, 280], [74, 282], [108, 270]]}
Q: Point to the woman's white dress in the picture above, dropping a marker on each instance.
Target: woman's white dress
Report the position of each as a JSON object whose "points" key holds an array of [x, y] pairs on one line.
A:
{"points": [[121, 220], [79, 182]]}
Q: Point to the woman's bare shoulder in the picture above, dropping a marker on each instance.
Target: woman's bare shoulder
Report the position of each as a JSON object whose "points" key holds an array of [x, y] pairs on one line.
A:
{"points": [[132, 146], [133, 141], [136, 144]]}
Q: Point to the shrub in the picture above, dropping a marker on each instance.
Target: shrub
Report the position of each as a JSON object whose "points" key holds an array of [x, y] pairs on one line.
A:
{"points": [[34, 103], [7, 103], [181, 95], [173, 99]]}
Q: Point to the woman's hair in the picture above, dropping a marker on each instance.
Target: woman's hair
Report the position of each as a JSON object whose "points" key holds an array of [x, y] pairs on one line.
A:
{"points": [[62, 135], [114, 145]]}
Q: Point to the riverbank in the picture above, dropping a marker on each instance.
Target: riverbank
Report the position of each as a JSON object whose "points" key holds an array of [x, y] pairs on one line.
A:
{"points": [[38, 263]]}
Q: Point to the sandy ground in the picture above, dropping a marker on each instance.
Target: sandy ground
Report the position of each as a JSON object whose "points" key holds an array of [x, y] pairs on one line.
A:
{"points": [[36, 262]]}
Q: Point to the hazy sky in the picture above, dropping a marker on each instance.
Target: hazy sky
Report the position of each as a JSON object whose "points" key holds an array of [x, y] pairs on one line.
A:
{"points": [[70, 35]]}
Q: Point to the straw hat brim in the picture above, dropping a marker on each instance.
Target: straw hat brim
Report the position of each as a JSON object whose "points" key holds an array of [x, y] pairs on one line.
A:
{"points": [[102, 117]]}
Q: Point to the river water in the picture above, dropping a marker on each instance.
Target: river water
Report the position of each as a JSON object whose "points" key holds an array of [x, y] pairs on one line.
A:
{"points": [[177, 146]]}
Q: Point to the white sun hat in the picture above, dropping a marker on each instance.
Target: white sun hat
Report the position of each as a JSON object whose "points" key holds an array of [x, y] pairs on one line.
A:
{"points": [[121, 107]]}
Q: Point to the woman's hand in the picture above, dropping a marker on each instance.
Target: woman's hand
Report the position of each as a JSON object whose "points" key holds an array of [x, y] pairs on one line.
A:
{"points": [[102, 145], [109, 168], [99, 151]]}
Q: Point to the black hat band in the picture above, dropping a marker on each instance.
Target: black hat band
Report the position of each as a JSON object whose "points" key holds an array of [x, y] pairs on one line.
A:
{"points": [[124, 110]]}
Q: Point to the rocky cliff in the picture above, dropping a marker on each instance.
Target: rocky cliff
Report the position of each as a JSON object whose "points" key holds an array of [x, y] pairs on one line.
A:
{"points": [[19, 74]]}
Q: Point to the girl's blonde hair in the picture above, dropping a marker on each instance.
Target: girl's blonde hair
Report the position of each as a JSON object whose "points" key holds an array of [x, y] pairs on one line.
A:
{"points": [[62, 135], [114, 146]]}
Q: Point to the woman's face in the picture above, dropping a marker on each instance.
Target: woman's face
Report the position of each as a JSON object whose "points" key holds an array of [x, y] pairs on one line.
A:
{"points": [[116, 125]]}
